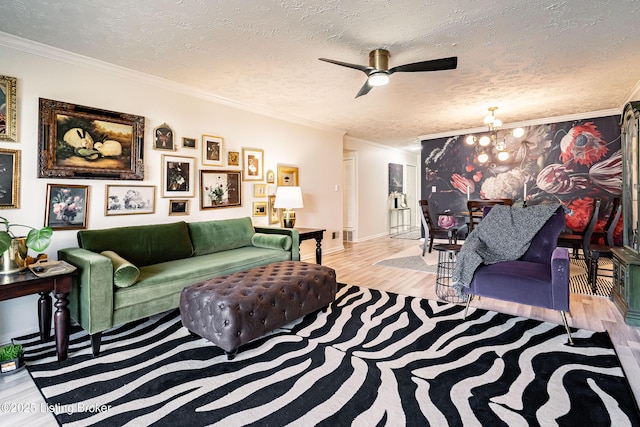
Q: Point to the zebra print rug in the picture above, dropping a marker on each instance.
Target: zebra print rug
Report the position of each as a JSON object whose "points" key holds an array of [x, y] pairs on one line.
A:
{"points": [[374, 358]]}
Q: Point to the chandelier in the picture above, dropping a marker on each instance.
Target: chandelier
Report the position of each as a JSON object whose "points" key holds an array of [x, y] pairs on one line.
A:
{"points": [[484, 143]]}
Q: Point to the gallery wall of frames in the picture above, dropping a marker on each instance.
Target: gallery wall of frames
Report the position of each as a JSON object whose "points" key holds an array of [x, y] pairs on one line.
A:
{"points": [[569, 162]]}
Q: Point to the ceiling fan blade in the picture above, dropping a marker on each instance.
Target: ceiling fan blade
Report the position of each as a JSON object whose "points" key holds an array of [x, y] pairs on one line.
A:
{"points": [[364, 68], [432, 65], [366, 87]]}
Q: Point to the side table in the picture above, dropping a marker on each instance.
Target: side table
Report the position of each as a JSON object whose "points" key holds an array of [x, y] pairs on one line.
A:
{"points": [[25, 283], [447, 256], [313, 233]]}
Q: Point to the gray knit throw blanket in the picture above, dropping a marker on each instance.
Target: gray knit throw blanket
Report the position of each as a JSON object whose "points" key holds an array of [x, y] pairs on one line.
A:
{"points": [[503, 235]]}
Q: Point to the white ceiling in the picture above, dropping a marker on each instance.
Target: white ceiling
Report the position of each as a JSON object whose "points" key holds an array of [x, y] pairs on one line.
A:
{"points": [[532, 58]]}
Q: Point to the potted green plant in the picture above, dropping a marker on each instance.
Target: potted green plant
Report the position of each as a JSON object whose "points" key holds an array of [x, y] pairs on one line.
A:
{"points": [[11, 358], [13, 249]]}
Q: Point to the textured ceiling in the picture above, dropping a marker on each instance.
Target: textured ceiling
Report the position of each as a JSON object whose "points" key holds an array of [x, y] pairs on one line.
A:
{"points": [[532, 58]]}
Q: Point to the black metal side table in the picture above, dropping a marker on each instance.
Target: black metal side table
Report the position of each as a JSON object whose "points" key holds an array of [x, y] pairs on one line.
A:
{"points": [[447, 256]]}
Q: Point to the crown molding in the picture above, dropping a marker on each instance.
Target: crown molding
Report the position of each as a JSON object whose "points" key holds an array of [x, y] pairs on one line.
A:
{"points": [[50, 52], [542, 121]]}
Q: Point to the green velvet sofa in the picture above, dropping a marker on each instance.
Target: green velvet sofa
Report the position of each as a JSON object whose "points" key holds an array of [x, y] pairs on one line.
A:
{"points": [[128, 273]]}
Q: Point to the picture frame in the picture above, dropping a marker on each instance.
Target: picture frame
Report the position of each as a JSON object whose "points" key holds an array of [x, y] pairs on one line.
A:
{"points": [[129, 199], [212, 149], [163, 138], [178, 176], [220, 189], [178, 207], [67, 207], [8, 118], [288, 175], [189, 142], [271, 177], [233, 158], [252, 164], [259, 190], [259, 209], [274, 216], [9, 178], [67, 144]]}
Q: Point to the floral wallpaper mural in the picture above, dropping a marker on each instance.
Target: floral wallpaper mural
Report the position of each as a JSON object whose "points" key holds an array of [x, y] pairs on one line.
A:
{"points": [[568, 162]]}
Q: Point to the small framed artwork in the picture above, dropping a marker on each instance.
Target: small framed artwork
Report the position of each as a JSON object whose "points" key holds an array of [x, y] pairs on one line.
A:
{"points": [[130, 199], [163, 135], [252, 162], [212, 147], [8, 114], [271, 177], [259, 208], [259, 190], [178, 175], [220, 189], [189, 142], [274, 218], [288, 175], [233, 158], [76, 141], [67, 206], [9, 178], [178, 207]]}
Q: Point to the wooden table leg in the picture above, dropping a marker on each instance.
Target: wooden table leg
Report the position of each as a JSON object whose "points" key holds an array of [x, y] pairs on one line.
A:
{"points": [[44, 316], [319, 250], [61, 321]]}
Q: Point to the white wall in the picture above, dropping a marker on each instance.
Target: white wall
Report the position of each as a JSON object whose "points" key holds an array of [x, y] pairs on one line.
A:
{"points": [[48, 73], [373, 184]]}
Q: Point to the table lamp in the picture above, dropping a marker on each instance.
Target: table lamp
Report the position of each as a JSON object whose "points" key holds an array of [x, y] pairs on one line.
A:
{"points": [[288, 198]]}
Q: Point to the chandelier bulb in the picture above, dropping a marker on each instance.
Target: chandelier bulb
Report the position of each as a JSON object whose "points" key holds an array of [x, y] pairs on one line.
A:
{"points": [[503, 155], [470, 140], [518, 132], [483, 157], [485, 141]]}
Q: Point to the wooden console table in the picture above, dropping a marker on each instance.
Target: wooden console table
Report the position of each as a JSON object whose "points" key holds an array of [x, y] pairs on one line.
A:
{"points": [[313, 233], [25, 283]]}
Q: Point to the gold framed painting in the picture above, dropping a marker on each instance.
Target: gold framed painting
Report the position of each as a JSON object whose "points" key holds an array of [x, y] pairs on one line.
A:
{"points": [[274, 216], [212, 149], [178, 176], [81, 142], [9, 178], [259, 208], [178, 207], [8, 118], [67, 206], [220, 189], [233, 158], [189, 142], [259, 190], [130, 199], [288, 175], [252, 164]]}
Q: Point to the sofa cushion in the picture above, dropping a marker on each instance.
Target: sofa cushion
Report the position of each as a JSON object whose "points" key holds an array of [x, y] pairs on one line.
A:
{"points": [[141, 244], [271, 241], [220, 235], [125, 274]]}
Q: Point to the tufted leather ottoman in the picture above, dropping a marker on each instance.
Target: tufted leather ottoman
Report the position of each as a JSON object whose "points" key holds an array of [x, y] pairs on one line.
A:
{"points": [[232, 310]]}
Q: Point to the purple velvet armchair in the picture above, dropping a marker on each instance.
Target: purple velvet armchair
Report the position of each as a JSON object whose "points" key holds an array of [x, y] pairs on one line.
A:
{"points": [[539, 278]]}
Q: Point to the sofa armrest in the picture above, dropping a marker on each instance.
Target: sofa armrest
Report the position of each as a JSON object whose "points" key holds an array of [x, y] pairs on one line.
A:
{"points": [[292, 232], [91, 299], [560, 279]]}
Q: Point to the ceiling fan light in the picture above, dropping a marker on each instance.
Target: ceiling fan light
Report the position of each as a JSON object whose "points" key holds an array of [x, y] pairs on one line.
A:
{"points": [[378, 79], [485, 141]]}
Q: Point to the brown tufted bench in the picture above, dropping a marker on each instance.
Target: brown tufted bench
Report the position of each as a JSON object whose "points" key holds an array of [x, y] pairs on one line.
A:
{"points": [[232, 310]]}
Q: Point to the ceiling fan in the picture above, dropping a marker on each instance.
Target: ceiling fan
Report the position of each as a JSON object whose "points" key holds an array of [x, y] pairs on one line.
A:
{"points": [[378, 71]]}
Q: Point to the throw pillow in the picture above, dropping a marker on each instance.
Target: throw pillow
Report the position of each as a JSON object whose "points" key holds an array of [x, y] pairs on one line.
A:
{"points": [[125, 274]]}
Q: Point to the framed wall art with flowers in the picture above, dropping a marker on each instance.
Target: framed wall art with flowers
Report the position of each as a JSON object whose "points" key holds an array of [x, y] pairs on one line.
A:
{"points": [[178, 175], [220, 189], [67, 206]]}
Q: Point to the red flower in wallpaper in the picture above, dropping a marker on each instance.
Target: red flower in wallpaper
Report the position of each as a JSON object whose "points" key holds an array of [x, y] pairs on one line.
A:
{"points": [[580, 213], [559, 179], [583, 144]]}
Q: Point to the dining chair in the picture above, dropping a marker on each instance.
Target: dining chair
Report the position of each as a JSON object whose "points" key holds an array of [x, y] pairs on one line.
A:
{"points": [[476, 209], [433, 230], [593, 251]]}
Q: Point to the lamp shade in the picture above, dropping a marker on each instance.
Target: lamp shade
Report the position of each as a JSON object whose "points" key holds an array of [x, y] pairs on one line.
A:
{"points": [[288, 197]]}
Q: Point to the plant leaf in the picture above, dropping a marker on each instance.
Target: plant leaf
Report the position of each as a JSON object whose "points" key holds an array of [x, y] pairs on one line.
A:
{"points": [[39, 240], [5, 241]]}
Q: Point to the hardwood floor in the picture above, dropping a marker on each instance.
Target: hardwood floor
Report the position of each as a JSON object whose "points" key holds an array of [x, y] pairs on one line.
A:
{"points": [[355, 266]]}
